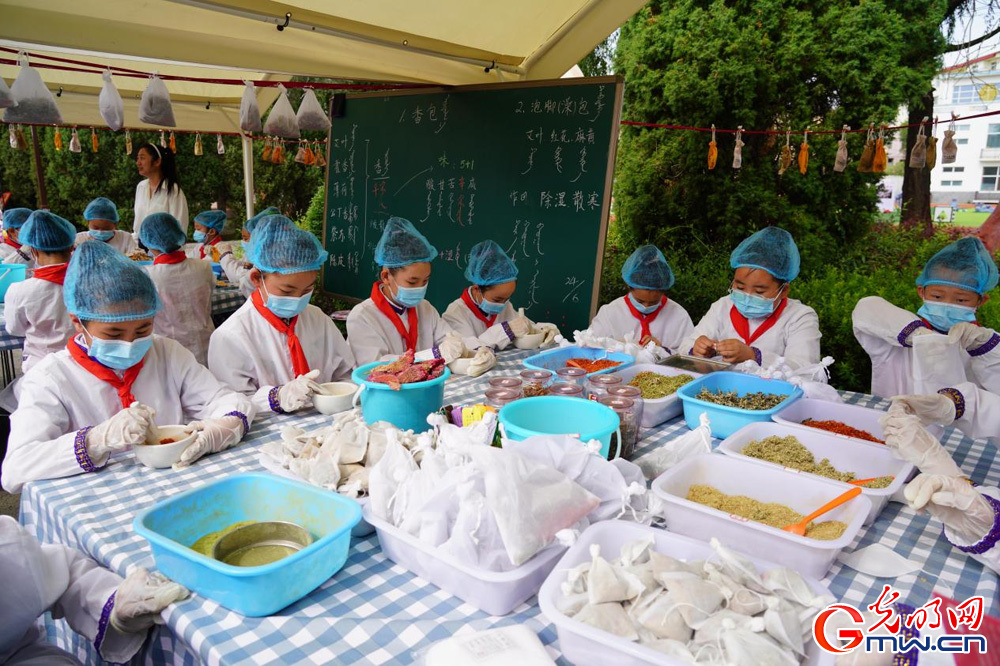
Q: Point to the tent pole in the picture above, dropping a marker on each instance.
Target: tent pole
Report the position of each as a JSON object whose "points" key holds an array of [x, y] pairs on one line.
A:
{"points": [[248, 174], [43, 199]]}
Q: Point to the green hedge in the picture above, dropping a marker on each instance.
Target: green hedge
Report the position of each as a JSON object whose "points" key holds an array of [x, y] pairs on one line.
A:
{"points": [[885, 262]]}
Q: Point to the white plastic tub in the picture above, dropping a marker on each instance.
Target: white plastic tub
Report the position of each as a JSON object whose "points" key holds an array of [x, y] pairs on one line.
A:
{"points": [[863, 418], [584, 645], [846, 454], [494, 592], [737, 476], [660, 410]]}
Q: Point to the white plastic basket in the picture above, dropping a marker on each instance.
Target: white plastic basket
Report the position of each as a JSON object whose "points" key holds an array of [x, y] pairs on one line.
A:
{"points": [[863, 418], [737, 476], [494, 592], [660, 410], [584, 645], [845, 453]]}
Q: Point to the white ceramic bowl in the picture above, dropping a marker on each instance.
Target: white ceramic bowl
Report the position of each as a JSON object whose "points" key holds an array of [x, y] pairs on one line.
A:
{"points": [[339, 397], [530, 341], [159, 456]]}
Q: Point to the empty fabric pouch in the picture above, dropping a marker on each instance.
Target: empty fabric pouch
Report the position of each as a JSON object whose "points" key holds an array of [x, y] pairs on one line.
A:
{"points": [[879, 561]]}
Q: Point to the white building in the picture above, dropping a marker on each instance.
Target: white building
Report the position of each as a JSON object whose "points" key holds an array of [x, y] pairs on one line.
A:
{"points": [[967, 89]]}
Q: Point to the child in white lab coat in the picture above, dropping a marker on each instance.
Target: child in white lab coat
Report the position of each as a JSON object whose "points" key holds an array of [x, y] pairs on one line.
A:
{"points": [[484, 316], [238, 270], [11, 251], [645, 314], [953, 284], [113, 381], [184, 285], [114, 614], [102, 224], [396, 318], [277, 347], [208, 226], [757, 321], [34, 309]]}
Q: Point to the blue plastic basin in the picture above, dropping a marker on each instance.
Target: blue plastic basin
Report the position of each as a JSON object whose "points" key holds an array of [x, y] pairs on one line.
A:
{"points": [[173, 525], [560, 415], [554, 359], [9, 274], [727, 420], [217, 268], [407, 408]]}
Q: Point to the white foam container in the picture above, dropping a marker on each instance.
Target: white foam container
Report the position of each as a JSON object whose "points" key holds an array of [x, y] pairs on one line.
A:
{"points": [[738, 476], [494, 592], [660, 410], [863, 418], [585, 645], [846, 454]]}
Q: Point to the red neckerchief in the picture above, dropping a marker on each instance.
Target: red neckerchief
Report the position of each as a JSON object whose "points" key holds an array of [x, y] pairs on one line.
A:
{"points": [[14, 244], [121, 384], [409, 336], [55, 273], [214, 241], [300, 365], [645, 319], [480, 315], [175, 257], [742, 324]]}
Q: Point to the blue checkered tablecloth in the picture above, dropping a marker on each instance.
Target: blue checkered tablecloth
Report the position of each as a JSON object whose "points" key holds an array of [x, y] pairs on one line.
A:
{"points": [[374, 612]]}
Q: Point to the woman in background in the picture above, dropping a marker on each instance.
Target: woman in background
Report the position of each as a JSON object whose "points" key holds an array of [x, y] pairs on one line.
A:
{"points": [[160, 191]]}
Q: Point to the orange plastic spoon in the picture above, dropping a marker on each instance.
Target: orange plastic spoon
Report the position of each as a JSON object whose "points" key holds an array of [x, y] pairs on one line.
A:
{"points": [[800, 527], [861, 482]]}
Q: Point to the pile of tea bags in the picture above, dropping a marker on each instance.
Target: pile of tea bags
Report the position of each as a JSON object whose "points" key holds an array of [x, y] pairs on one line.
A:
{"points": [[720, 611]]}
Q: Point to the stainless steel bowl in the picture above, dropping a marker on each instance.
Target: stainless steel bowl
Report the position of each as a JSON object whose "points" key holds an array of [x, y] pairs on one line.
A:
{"points": [[271, 540]]}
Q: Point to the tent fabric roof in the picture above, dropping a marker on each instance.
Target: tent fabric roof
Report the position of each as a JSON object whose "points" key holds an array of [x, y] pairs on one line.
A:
{"points": [[447, 42]]}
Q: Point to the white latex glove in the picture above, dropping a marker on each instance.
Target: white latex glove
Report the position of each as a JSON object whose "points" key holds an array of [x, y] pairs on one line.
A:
{"points": [[551, 332], [451, 347], [905, 434], [140, 599], [214, 435], [126, 428], [484, 360], [917, 333], [520, 326], [298, 393], [970, 336], [223, 247], [929, 408], [962, 509]]}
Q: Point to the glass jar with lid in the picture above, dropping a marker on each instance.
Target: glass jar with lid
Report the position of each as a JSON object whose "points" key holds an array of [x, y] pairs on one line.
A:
{"points": [[629, 427], [598, 385], [572, 375], [566, 389], [498, 397], [634, 394], [514, 383], [535, 382]]}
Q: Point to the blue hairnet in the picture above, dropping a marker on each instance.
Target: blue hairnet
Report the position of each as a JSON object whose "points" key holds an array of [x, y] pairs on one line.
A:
{"points": [[772, 249], [965, 264], [47, 232], [213, 219], [647, 268], [101, 208], [252, 223], [161, 231], [401, 245], [103, 285], [14, 218], [278, 246], [489, 264]]}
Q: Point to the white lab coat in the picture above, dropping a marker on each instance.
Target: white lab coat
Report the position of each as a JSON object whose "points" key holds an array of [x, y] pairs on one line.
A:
{"points": [[878, 325], [238, 273], [34, 310], [6, 251], [185, 290], [122, 241], [671, 327], [252, 357], [41, 577], [795, 335], [162, 201], [981, 419], [59, 397], [193, 250], [459, 318], [12, 255], [373, 337]]}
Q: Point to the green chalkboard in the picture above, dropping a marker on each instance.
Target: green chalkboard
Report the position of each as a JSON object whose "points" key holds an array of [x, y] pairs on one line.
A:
{"points": [[527, 165]]}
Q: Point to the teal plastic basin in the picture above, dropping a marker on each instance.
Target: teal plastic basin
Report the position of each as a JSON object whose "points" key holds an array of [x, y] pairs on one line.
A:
{"points": [[9, 274], [560, 415], [407, 408], [724, 420], [173, 525]]}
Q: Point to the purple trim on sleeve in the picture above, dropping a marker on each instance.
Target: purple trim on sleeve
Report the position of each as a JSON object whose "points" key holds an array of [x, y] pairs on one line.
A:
{"points": [[80, 450], [225, 254], [243, 417], [436, 351], [757, 356], [691, 351], [102, 625], [908, 331], [273, 401], [990, 345], [956, 397], [991, 538], [506, 329]]}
